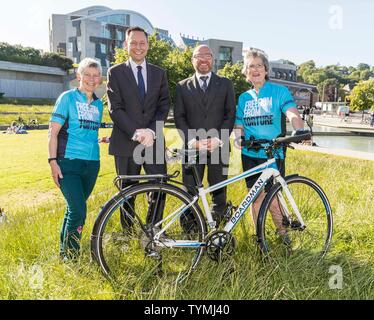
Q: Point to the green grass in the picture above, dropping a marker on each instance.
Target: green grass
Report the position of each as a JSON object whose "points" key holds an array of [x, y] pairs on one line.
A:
{"points": [[29, 240], [41, 113], [25, 101]]}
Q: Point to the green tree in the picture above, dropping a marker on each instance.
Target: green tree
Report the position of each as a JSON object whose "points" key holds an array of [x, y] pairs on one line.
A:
{"points": [[157, 52], [363, 66], [28, 55], [234, 73], [366, 74], [305, 69], [179, 66], [329, 89], [362, 96], [175, 61]]}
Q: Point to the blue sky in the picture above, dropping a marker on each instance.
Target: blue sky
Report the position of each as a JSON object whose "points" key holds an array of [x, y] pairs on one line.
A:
{"points": [[327, 31]]}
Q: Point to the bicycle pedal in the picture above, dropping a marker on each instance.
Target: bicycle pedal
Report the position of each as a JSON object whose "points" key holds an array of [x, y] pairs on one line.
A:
{"points": [[153, 255]]}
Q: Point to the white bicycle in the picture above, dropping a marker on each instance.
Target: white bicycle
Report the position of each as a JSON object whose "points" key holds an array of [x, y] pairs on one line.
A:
{"points": [[176, 243]]}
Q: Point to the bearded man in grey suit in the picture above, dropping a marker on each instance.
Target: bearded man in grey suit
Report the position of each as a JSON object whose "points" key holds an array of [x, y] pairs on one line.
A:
{"points": [[205, 103]]}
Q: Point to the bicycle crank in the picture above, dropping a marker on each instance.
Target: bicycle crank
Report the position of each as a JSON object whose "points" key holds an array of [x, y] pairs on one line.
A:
{"points": [[220, 245]]}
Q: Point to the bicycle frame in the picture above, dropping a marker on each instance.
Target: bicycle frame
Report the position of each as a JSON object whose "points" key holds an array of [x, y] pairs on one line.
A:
{"points": [[268, 170]]}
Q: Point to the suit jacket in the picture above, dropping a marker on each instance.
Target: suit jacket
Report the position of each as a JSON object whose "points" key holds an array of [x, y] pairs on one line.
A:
{"points": [[127, 111], [215, 110]]}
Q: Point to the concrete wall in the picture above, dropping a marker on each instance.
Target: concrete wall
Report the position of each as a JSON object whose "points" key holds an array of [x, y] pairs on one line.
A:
{"points": [[216, 44], [29, 81]]}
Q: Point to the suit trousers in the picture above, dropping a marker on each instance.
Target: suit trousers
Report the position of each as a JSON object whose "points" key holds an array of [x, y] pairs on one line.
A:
{"points": [[216, 174], [128, 166]]}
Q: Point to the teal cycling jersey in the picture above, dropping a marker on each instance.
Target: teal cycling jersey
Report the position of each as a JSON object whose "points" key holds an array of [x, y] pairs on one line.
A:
{"points": [[261, 115], [80, 120]]}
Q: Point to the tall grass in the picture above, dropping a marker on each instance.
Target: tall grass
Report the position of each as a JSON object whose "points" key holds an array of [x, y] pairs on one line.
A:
{"points": [[30, 267]]}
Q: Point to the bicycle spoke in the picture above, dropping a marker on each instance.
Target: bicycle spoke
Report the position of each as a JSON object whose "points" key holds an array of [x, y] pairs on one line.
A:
{"points": [[315, 212], [127, 251]]}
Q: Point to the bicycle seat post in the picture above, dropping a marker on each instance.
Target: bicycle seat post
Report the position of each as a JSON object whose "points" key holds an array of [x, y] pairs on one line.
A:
{"points": [[198, 181]]}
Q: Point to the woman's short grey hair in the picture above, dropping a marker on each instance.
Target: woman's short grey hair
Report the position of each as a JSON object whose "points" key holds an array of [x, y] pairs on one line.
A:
{"points": [[89, 63], [256, 53]]}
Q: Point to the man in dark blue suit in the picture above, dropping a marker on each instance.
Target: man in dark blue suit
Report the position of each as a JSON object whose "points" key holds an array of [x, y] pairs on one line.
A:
{"points": [[138, 98]]}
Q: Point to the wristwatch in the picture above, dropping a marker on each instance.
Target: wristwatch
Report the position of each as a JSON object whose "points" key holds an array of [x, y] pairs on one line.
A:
{"points": [[51, 159]]}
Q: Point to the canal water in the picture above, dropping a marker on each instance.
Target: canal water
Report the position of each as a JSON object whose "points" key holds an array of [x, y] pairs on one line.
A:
{"points": [[355, 143]]}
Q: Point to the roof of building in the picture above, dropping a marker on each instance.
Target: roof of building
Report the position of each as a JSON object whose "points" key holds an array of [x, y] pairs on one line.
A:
{"points": [[189, 42]]}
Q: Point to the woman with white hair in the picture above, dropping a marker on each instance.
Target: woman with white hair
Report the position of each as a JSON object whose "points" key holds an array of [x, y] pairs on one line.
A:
{"points": [[74, 154], [259, 116]]}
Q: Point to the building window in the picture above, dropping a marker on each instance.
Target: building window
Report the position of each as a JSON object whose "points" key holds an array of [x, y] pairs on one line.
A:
{"points": [[61, 49], [120, 35], [79, 45], [224, 56], [118, 19], [70, 47], [105, 33], [103, 48]]}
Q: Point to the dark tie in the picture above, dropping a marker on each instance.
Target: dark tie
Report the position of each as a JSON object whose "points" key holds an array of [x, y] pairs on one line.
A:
{"points": [[141, 85], [205, 85]]}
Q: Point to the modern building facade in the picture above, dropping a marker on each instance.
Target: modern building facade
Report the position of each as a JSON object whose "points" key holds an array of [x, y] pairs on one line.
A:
{"points": [[224, 51], [95, 32]]}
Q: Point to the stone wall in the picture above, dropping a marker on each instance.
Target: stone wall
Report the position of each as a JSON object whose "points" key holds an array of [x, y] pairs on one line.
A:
{"points": [[19, 80]]}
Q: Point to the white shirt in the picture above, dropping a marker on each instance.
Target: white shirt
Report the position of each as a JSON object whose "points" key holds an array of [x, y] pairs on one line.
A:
{"points": [[201, 82], [134, 68]]}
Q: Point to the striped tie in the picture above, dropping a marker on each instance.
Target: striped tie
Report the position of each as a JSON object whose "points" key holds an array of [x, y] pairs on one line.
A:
{"points": [[205, 85]]}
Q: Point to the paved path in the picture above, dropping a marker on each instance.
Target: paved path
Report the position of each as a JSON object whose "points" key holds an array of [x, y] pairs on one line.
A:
{"points": [[338, 152], [352, 124]]}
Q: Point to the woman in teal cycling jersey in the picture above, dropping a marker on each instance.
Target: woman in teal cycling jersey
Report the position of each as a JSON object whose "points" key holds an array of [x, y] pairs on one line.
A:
{"points": [[259, 115], [74, 154]]}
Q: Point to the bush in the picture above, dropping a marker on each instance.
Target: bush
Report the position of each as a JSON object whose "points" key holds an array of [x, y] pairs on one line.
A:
{"points": [[29, 55]]}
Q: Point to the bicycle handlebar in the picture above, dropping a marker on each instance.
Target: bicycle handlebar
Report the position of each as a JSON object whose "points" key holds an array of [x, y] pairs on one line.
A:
{"points": [[278, 142]]}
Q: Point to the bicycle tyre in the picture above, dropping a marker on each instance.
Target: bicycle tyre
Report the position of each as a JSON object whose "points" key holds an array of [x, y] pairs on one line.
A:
{"points": [[315, 210], [118, 260]]}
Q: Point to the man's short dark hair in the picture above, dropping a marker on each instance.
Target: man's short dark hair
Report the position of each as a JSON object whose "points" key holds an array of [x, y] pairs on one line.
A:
{"points": [[131, 29]]}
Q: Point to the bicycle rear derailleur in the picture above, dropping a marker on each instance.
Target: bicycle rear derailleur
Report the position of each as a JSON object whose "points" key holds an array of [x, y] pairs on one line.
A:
{"points": [[220, 245]]}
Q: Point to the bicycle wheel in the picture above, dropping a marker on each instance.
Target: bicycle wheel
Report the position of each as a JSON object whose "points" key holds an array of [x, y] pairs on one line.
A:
{"points": [[131, 252], [279, 228]]}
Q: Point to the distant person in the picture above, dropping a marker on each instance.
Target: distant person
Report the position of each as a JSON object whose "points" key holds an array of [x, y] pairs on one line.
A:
{"points": [[372, 119], [13, 128], [74, 151], [303, 114], [259, 116]]}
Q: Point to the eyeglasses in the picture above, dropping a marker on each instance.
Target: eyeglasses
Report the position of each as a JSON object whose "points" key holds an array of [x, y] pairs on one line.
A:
{"points": [[256, 66], [89, 76], [203, 56]]}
